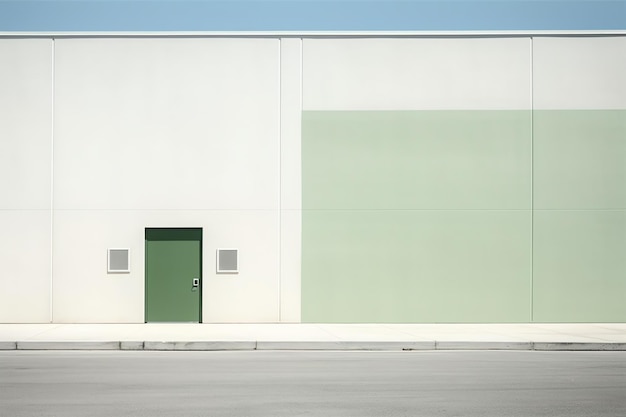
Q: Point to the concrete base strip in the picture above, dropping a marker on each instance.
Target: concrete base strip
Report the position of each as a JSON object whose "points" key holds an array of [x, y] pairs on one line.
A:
{"points": [[579, 346], [344, 345], [131, 345], [484, 346], [199, 345], [310, 345], [82, 345]]}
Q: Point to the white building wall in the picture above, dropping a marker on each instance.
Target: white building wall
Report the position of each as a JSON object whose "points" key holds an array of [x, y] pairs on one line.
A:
{"points": [[166, 133], [575, 73], [25, 165], [416, 74], [205, 132]]}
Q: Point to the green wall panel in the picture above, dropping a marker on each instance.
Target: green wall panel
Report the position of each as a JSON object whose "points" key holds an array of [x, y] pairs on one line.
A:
{"points": [[416, 216], [416, 266], [425, 216], [579, 248], [580, 265], [416, 159], [579, 159]]}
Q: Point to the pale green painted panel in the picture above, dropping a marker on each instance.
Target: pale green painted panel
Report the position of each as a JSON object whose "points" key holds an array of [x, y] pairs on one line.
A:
{"points": [[416, 159], [580, 266], [579, 159], [416, 266]]}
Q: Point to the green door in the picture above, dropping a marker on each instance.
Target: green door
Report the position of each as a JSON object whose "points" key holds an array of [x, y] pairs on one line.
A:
{"points": [[173, 275]]}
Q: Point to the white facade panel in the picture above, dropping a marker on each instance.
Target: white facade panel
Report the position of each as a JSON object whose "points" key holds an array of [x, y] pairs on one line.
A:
{"points": [[252, 294], [290, 265], [25, 123], [291, 179], [84, 292], [579, 73], [416, 74], [24, 266], [291, 124], [167, 124]]}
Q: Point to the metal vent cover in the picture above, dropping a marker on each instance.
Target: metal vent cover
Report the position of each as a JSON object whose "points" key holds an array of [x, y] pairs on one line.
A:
{"points": [[118, 260], [227, 260]]}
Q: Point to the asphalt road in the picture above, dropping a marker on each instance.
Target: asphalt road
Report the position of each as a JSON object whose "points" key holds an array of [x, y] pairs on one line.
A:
{"points": [[312, 384]]}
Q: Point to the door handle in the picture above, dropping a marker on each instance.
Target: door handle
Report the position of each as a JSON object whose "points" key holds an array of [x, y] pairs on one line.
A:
{"points": [[195, 282]]}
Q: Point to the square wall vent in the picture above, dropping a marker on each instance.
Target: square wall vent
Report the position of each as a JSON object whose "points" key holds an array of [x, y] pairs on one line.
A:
{"points": [[118, 260], [227, 261]]}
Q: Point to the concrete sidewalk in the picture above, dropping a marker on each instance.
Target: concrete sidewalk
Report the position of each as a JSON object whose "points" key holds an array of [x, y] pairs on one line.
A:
{"points": [[611, 336]]}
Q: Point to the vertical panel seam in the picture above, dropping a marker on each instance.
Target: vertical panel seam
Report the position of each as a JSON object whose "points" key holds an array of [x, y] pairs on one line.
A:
{"points": [[301, 84], [280, 180], [532, 183], [52, 115], [301, 182]]}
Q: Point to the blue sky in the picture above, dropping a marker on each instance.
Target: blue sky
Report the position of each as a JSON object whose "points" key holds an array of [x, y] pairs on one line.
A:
{"points": [[310, 15]]}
